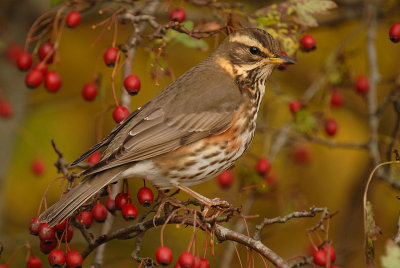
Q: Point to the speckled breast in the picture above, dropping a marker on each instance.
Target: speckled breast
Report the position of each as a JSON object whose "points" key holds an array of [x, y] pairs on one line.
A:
{"points": [[206, 158]]}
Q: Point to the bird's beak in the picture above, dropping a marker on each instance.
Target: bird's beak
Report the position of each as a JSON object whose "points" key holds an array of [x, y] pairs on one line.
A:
{"points": [[282, 60]]}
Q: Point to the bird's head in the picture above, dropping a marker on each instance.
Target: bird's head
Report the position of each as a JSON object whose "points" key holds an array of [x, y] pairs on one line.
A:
{"points": [[250, 54]]}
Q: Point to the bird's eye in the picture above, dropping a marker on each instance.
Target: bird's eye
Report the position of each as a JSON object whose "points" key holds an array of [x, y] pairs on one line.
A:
{"points": [[254, 50]]}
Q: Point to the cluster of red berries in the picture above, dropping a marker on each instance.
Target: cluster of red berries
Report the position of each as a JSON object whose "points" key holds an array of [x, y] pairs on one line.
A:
{"points": [[63, 232], [324, 255], [39, 72], [185, 260], [48, 242]]}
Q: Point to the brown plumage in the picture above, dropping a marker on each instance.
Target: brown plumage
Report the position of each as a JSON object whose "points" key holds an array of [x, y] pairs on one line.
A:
{"points": [[194, 129]]}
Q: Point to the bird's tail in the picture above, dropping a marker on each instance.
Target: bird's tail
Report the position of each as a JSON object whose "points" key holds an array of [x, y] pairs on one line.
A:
{"points": [[78, 195]]}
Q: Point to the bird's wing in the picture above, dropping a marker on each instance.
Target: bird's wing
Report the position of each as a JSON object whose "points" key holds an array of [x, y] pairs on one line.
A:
{"points": [[108, 139], [181, 114]]}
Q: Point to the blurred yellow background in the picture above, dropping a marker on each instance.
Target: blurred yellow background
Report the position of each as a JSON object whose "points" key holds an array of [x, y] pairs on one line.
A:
{"points": [[333, 178]]}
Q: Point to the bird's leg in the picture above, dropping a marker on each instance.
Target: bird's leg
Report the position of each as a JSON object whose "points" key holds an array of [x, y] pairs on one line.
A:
{"points": [[215, 202]]}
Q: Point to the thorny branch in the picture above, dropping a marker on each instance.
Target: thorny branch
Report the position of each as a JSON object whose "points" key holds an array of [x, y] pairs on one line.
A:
{"points": [[298, 214], [205, 223]]}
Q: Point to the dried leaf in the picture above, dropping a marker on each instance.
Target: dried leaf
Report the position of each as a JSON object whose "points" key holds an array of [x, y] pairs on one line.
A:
{"points": [[372, 229], [304, 10], [392, 257]]}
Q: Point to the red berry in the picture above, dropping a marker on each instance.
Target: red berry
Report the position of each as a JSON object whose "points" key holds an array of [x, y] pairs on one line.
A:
{"points": [[86, 218], [5, 109], [331, 126], [61, 226], [73, 19], [56, 258], [46, 233], [89, 91], [145, 196], [294, 106], [132, 84], [164, 256], [46, 248], [24, 61], [46, 50], [330, 251], [41, 66], [94, 158], [283, 67], [121, 200], [178, 14], [394, 32], [263, 166], [33, 78], [52, 81], [307, 43], [13, 51], [270, 179], [74, 259], [34, 262], [336, 99], [319, 257], [110, 56], [197, 262], [110, 205], [119, 113], [99, 212], [362, 84], [186, 260], [225, 179], [204, 263], [66, 234], [37, 167], [302, 154], [129, 212], [34, 226], [177, 265]]}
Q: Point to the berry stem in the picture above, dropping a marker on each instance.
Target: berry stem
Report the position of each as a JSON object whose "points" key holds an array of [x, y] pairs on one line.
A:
{"points": [[11, 258], [34, 27], [115, 20], [165, 224], [193, 240], [45, 193], [205, 247]]}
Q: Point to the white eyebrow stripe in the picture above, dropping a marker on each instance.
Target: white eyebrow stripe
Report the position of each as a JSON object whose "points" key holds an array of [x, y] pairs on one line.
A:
{"points": [[251, 42], [246, 40]]}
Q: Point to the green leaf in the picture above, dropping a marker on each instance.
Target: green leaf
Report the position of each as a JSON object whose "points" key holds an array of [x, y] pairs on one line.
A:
{"points": [[304, 10], [305, 122], [173, 36], [55, 2], [392, 257]]}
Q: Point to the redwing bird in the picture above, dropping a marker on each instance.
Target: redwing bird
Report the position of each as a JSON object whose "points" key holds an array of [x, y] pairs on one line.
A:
{"points": [[191, 131]]}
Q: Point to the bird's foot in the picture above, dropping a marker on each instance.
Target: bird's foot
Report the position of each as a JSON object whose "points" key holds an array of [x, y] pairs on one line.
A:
{"points": [[215, 202]]}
